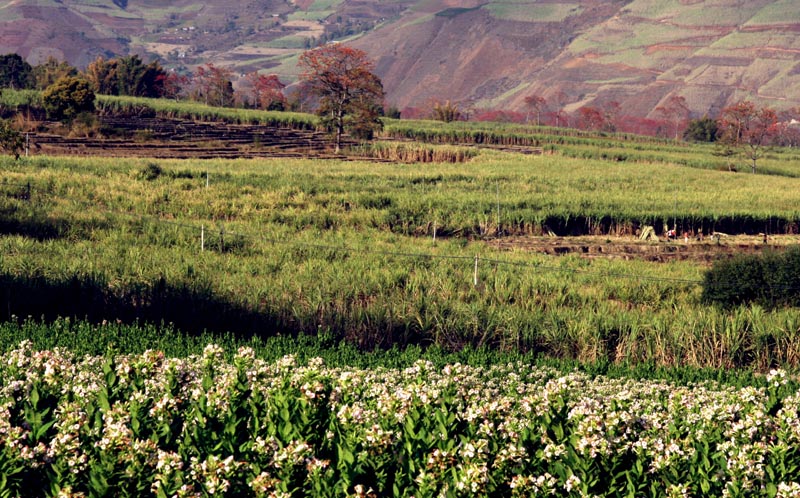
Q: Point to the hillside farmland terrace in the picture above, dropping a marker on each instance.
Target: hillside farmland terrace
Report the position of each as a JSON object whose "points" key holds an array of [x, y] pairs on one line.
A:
{"points": [[483, 55]]}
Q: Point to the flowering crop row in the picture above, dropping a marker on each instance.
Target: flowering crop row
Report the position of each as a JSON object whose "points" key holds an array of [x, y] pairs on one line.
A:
{"points": [[135, 425]]}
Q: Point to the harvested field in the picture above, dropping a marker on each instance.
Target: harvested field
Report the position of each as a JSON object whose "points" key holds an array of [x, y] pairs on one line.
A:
{"points": [[629, 248], [184, 139]]}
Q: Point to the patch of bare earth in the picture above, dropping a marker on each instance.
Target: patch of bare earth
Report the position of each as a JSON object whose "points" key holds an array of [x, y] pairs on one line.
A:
{"points": [[703, 250]]}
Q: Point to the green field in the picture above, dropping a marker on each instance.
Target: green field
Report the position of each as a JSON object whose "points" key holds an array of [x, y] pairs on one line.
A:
{"points": [[346, 247], [348, 327]]}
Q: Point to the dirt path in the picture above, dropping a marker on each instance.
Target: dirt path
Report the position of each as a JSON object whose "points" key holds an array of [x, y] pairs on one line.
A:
{"points": [[703, 251]]}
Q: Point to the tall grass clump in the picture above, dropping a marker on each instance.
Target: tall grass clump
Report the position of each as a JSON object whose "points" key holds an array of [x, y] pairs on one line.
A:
{"points": [[412, 152]]}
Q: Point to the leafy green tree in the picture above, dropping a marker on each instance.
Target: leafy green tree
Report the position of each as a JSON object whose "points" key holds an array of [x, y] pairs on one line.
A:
{"points": [[15, 73], [11, 140], [350, 95], [139, 79], [701, 130], [68, 97]]}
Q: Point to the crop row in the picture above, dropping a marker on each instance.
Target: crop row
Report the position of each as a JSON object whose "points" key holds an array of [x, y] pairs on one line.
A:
{"points": [[200, 426], [196, 110], [82, 337]]}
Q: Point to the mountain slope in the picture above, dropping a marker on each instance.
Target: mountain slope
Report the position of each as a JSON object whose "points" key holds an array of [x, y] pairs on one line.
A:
{"points": [[481, 53]]}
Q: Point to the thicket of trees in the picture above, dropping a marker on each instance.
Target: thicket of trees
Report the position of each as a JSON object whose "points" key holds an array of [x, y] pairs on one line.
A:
{"points": [[126, 76], [129, 75]]}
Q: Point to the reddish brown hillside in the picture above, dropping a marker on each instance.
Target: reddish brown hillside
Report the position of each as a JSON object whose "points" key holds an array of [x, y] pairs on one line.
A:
{"points": [[483, 54]]}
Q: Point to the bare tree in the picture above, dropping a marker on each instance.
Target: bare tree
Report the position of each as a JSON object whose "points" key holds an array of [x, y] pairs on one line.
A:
{"points": [[748, 128], [537, 104], [675, 112]]}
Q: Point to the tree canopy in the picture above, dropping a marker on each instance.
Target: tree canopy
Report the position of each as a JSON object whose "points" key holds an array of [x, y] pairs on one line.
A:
{"points": [[749, 128], [350, 95], [48, 72], [126, 76], [701, 130], [15, 73], [212, 85], [11, 140], [68, 97]]}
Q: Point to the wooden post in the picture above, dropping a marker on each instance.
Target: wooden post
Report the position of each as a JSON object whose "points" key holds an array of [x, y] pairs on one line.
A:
{"points": [[202, 238], [475, 274], [434, 232], [221, 239], [497, 222]]}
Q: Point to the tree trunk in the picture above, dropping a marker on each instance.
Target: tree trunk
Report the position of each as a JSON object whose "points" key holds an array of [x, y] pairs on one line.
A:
{"points": [[339, 129]]}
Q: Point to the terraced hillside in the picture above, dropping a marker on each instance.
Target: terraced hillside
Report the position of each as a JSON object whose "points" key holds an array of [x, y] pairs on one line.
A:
{"points": [[481, 54]]}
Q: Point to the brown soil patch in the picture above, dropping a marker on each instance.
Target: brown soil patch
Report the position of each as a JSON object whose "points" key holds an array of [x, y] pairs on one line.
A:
{"points": [[702, 251]]}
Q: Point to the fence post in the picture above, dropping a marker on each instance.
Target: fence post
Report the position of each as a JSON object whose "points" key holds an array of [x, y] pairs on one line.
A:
{"points": [[475, 274], [28, 191], [202, 238], [497, 222], [434, 232], [206, 178], [221, 239]]}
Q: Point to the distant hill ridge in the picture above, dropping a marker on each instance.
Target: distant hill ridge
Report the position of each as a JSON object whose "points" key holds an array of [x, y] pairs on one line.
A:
{"points": [[481, 54]]}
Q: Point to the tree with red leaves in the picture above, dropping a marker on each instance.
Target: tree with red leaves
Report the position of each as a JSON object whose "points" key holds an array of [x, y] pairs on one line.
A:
{"points": [[350, 95], [173, 85], [591, 118], [266, 91], [213, 86], [745, 126]]}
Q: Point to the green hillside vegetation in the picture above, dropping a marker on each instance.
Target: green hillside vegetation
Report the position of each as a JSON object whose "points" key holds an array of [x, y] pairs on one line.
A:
{"points": [[242, 310], [701, 13], [532, 11], [301, 246], [779, 12]]}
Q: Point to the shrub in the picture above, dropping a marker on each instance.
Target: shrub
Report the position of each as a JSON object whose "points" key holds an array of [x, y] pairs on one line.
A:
{"points": [[150, 172], [11, 140], [771, 279], [68, 97]]}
